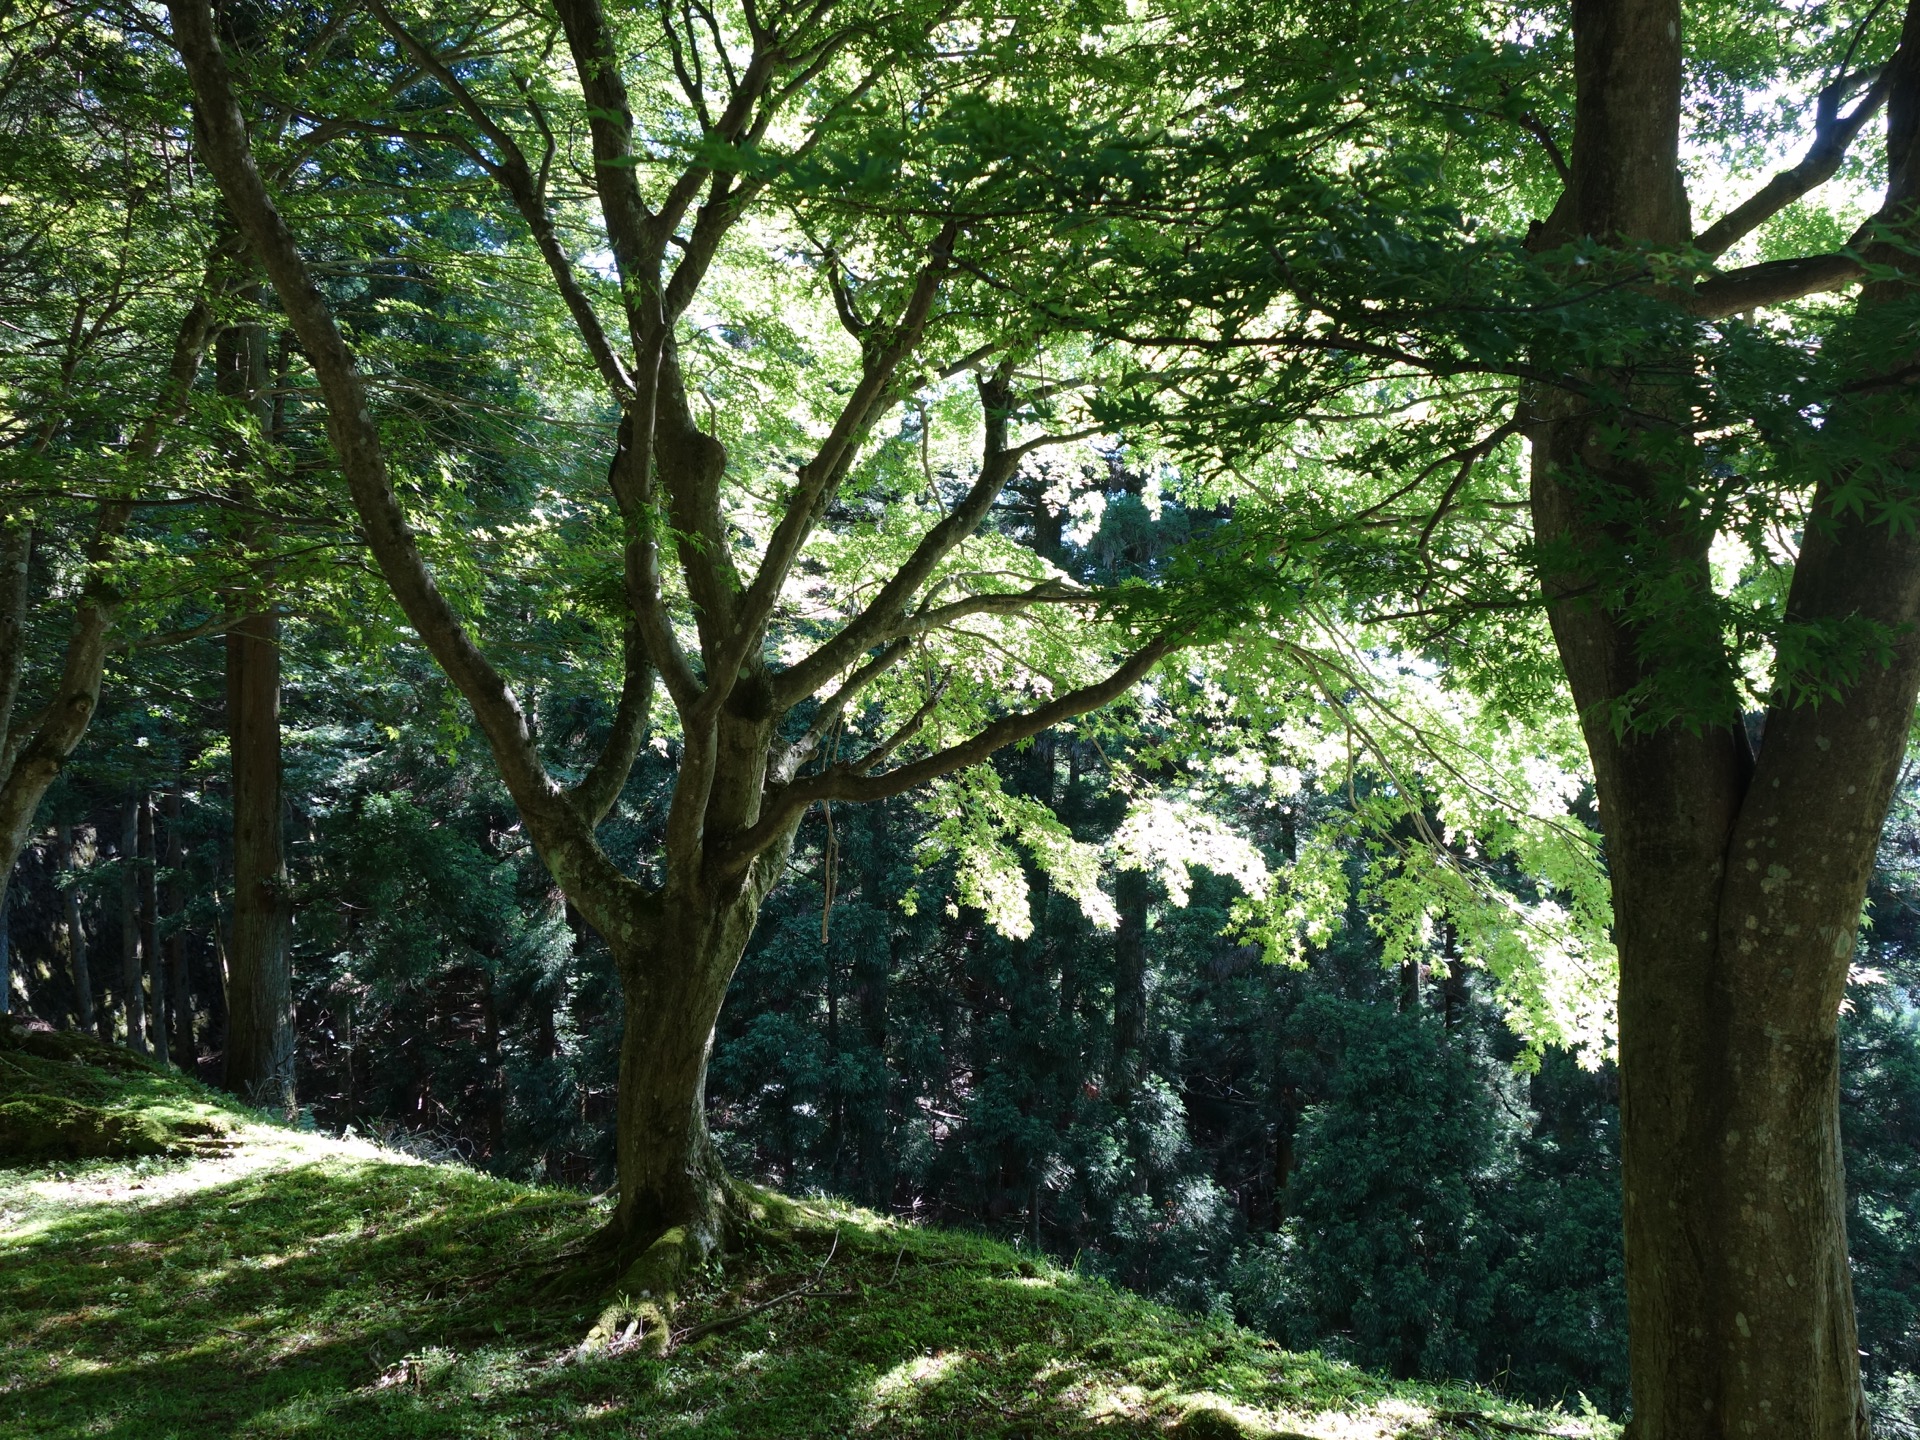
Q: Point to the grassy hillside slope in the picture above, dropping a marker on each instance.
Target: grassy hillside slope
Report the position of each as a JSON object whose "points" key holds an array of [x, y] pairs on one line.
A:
{"points": [[229, 1277]]}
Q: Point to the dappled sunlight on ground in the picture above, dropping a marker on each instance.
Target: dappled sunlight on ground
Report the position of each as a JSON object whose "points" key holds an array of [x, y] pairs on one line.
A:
{"points": [[303, 1286]]}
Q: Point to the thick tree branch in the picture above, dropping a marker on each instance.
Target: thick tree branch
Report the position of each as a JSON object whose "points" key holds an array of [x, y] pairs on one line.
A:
{"points": [[1833, 134], [16, 548], [630, 229], [1773, 283]]}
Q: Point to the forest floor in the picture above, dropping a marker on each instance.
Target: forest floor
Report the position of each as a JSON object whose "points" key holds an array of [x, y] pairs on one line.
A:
{"points": [[255, 1280]]}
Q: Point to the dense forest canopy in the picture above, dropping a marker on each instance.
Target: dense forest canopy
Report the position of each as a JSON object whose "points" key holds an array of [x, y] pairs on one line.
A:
{"points": [[1265, 644]]}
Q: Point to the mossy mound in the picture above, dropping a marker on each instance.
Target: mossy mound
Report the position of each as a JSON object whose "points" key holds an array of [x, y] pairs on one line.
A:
{"points": [[70, 1097], [38, 1128]]}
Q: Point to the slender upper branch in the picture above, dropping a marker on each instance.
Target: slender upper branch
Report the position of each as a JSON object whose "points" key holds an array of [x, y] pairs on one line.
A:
{"points": [[527, 190], [594, 794], [877, 622], [820, 477], [566, 841], [834, 706]]}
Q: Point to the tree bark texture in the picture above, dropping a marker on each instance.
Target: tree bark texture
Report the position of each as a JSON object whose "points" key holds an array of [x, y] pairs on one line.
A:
{"points": [[674, 972], [259, 1053], [1737, 879]]}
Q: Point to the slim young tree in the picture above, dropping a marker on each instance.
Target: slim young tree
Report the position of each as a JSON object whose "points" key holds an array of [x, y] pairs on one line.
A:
{"points": [[69, 847], [765, 88], [133, 999]]}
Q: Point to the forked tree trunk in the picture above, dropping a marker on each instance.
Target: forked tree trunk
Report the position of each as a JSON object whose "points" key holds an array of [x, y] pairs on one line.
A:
{"points": [[1737, 879]]}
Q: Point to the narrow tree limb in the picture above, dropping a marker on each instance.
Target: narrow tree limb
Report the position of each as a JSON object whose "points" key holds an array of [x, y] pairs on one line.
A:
{"points": [[594, 794], [793, 756], [821, 476], [1011, 602], [528, 194], [849, 782], [878, 621]]}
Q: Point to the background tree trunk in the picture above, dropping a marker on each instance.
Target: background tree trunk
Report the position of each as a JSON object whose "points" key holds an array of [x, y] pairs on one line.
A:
{"points": [[259, 1065], [132, 998], [76, 929], [179, 980], [259, 1050], [156, 965], [6, 948], [1130, 893]]}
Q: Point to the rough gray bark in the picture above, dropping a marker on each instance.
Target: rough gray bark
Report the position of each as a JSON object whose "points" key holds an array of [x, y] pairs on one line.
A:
{"points": [[1737, 879]]}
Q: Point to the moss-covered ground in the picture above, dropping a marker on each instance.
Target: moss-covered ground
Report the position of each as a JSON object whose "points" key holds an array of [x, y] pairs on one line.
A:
{"points": [[279, 1283]]}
